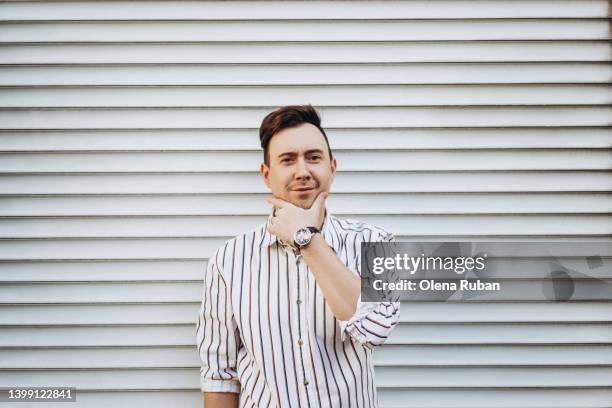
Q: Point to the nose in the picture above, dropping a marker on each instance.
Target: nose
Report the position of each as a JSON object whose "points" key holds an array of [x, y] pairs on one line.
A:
{"points": [[301, 171]]}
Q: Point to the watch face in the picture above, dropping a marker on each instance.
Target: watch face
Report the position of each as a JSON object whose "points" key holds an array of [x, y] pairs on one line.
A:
{"points": [[302, 236]]}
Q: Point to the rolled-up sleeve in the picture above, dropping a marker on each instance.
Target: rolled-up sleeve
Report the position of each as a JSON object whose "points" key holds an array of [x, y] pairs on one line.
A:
{"points": [[373, 321], [217, 336]]}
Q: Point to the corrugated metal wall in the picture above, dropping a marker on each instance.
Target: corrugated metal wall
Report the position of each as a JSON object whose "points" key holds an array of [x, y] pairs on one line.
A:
{"points": [[130, 152]]}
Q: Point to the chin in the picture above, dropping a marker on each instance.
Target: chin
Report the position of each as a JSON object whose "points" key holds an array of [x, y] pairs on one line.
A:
{"points": [[305, 203]]}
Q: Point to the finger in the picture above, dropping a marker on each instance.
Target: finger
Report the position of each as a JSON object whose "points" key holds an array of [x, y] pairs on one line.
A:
{"points": [[319, 202], [273, 228], [274, 208], [277, 202]]}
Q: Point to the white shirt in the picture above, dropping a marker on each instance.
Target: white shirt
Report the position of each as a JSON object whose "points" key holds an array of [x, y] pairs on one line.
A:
{"points": [[265, 330]]}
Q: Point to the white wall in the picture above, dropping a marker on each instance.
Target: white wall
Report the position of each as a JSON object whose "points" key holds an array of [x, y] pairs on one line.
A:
{"points": [[128, 133]]}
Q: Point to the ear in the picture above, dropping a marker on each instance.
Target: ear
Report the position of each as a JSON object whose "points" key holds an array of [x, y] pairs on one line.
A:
{"points": [[333, 165], [265, 172]]}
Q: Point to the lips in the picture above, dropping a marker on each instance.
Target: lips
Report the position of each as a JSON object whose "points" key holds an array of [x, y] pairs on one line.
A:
{"points": [[303, 188]]}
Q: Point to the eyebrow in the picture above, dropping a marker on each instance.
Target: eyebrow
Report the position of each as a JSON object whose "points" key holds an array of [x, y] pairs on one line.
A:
{"points": [[293, 154]]}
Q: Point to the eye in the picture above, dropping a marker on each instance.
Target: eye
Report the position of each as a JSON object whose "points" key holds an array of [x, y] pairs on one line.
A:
{"points": [[315, 157]]}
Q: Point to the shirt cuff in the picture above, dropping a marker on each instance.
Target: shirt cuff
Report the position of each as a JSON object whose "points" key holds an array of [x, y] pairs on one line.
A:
{"points": [[347, 326], [208, 385]]}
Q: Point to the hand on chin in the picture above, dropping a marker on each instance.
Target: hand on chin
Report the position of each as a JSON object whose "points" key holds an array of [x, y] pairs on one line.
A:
{"points": [[289, 216]]}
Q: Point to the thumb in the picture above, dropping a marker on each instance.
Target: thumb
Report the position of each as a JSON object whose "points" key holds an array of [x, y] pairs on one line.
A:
{"points": [[319, 202]]}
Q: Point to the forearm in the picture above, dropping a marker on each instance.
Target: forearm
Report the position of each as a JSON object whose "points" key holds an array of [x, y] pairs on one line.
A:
{"points": [[221, 399], [340, 286]]}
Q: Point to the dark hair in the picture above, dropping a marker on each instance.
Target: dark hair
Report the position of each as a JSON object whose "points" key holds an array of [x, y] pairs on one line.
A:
{"points": [[287, 117]]}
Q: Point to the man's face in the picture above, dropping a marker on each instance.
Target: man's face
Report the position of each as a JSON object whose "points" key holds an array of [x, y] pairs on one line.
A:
{"points": [[300, 167]]}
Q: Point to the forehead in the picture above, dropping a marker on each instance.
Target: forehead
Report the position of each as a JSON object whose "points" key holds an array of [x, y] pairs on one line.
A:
{"points": [[299, 138]]}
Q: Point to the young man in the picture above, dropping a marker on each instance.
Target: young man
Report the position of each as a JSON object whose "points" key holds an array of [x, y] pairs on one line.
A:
{"points": [[281, 322]]}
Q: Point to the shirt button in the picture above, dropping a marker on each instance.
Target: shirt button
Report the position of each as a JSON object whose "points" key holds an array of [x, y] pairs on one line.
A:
{"points": [[299, 302], [300, 342], [306, 382]]}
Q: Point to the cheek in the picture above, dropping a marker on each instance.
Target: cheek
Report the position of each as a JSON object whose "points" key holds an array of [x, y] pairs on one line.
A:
{"points": [[280, 178], [322, 176]]}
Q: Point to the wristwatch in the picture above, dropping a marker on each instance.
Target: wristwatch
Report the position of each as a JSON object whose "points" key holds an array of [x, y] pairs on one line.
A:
{"points": [[302, 236]]}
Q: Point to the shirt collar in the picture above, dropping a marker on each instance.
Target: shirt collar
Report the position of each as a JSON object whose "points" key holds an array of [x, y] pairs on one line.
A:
{"points": [[327, 231]]}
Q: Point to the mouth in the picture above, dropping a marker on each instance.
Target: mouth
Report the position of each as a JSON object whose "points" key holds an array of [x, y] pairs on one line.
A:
{"points": [[303, 191]]}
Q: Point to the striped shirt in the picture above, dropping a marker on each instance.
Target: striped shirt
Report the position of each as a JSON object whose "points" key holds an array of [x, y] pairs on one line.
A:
{"points": [[265, 330]]}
